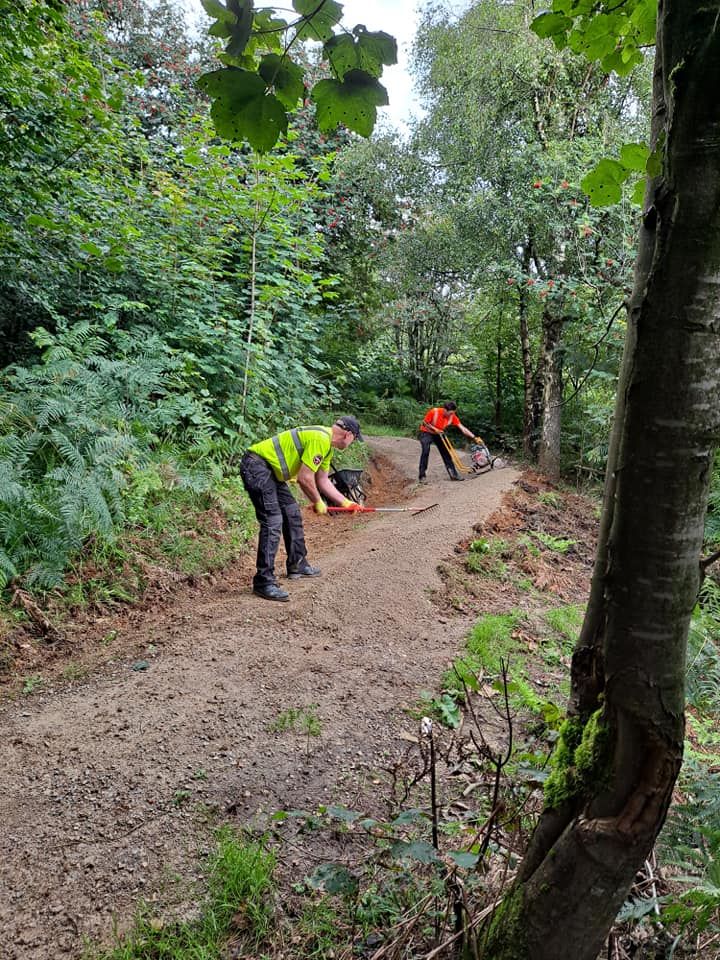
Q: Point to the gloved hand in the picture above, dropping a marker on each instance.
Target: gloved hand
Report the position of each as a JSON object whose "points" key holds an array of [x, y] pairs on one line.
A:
{"points": [[350, 505], [479, 440], [320, 507]]}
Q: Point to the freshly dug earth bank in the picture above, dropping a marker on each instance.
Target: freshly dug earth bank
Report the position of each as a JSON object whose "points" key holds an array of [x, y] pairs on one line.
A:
{"points": [[109, 783]]}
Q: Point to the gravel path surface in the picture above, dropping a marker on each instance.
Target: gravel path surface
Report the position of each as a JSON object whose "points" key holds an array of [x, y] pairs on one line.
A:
{"points": [[109, 784]]}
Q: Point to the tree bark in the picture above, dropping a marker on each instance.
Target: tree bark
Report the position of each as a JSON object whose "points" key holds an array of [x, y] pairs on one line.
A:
{"points": [[627, 698], [529, 423], [551, 380]]}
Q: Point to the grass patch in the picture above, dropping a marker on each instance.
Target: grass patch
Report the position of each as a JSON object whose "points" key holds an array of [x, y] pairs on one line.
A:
{"points": [[555, 544], [491, 642], [237, 909], [491, 639], [566, 621], [550, 499]]}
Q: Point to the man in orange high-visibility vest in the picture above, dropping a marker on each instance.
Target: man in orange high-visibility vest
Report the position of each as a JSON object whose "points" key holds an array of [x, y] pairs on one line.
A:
{"points": [[436, 422]]}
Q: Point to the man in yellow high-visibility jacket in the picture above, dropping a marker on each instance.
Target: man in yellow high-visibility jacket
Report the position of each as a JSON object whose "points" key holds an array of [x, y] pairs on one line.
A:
{"points": [[303, 453]]}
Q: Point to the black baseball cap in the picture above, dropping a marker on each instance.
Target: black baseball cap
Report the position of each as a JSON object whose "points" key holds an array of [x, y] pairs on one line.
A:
{"points": [[351, 424]]}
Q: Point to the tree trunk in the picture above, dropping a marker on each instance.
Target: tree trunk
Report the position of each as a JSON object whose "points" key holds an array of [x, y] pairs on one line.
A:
{"points": [[611, 786], [529, 422], [551, 383], [497, 417]]}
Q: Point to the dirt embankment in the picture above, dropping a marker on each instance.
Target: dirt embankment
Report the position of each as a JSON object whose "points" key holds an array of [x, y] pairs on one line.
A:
{"points": [[109, 782]]}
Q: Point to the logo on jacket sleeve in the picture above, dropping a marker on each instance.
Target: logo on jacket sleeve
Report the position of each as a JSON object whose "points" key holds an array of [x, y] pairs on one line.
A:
{"points": [[317, 460]]}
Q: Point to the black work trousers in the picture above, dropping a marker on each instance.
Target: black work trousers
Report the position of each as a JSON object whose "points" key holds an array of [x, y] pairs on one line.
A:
{"points": [[426, 441], [278, 515]]}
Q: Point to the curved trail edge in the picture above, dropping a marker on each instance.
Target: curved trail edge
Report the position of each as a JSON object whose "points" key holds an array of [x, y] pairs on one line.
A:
{"points": [[108, 785]]}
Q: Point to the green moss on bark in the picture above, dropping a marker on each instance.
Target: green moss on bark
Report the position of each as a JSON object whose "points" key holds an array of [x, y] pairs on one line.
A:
{"points": [[506, 937], [580, 761]]}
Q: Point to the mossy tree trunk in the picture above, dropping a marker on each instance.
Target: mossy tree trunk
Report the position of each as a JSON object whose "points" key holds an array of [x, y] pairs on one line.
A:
{"points": [[628, 669]]}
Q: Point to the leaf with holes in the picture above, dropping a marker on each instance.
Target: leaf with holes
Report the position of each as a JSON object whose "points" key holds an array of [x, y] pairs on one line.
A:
{"points": [[634, 156], [352, 102], [365, 51], [285, 76], [603, 185]]}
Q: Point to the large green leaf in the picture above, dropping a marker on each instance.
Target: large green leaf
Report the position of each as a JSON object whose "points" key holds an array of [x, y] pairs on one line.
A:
{"points": [[363, 51], [333, 878], [243, 109], [376, 47], [343, 54], [320, 19], [352, 102], [285, 76], [550, 25], [268, 30], [603, 185], [644, 20], [622, 61], [419, 850], [634, 156], [260, 120], [232, 84], [219, 11], [241, 29]]}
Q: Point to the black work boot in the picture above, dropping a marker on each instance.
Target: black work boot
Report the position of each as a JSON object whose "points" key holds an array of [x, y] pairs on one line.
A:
{"points": [[271, 591], [303, 569]]}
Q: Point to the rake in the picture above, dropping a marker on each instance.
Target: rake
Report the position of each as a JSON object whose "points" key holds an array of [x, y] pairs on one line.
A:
{"points": [[413, 510]]}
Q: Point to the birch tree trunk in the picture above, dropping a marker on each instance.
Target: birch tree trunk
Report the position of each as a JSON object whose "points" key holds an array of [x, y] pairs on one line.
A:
{"points": [[624, 739], [551, 379]]}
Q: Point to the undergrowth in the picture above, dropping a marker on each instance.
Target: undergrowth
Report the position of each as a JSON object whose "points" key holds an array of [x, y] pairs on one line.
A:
{"points": [[458, 810]]}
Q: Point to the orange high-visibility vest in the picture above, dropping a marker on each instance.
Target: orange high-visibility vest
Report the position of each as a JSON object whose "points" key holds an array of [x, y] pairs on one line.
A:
{"points": [[440, 418]]}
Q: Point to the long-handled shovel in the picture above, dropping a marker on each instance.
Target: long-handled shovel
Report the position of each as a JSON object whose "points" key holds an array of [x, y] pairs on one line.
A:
{"points": [[413, 510]]}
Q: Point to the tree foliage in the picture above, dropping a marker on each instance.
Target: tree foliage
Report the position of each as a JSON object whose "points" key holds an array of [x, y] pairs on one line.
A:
{"points": [[259, 82], [123, 214]]}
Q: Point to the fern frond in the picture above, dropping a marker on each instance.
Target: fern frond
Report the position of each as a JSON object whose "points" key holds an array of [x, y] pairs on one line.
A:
{"points": [[8, 570]]}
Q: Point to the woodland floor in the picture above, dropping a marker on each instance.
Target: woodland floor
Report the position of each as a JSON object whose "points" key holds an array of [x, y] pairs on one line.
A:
{"points": [[108, 780]]}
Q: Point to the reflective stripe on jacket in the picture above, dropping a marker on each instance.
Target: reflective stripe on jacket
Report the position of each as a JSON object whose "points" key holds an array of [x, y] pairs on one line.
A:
{"points": [[286, 452]]}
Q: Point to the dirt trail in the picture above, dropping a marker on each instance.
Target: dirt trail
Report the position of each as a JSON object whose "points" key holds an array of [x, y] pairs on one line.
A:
{"points": [[105, 783]]}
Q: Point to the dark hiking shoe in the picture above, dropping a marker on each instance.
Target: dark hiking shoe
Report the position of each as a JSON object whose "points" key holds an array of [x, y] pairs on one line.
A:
{"points": [[271, 592], [423, 480], [454, 476], [303, 570]]}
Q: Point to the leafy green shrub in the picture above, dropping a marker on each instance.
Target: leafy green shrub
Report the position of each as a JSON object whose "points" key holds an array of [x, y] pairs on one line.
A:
{"points": [[556, 544]]}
